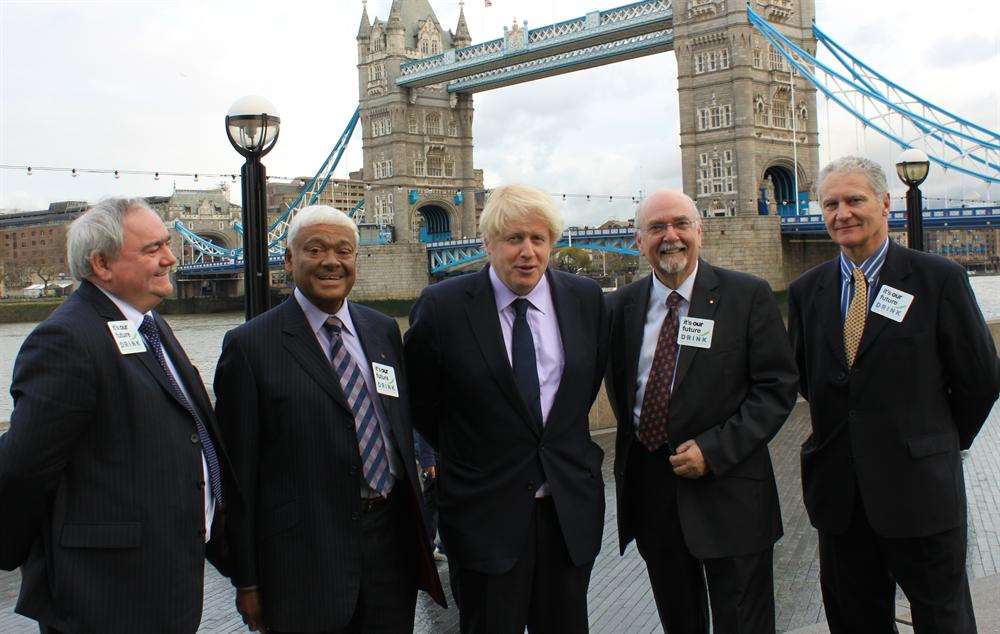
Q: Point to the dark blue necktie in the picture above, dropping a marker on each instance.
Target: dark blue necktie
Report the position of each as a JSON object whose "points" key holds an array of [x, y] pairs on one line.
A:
{"points": [[523, 359], [151, 332]]}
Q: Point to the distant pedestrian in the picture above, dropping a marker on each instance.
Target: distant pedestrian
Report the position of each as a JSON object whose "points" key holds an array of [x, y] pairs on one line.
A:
{"points": [[427, 462], [900, 372]]}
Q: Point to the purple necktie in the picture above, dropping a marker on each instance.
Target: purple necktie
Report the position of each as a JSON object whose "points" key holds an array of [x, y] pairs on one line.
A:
{"points": [[374, 460]]}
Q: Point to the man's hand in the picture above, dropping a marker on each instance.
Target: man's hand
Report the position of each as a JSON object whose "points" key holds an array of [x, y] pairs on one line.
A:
{"points": [[688, 461], [248, 605]]}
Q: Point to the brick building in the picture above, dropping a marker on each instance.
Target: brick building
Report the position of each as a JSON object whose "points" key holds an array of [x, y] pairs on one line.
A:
{"points": [[33, 244]]}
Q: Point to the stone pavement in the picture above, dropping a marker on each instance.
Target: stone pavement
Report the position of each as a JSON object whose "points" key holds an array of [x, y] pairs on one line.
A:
{"points": [[620, 597]]}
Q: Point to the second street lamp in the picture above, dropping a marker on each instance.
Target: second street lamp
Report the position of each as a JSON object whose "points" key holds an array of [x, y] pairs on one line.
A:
{"points": [[912, 168], [252, 127]]}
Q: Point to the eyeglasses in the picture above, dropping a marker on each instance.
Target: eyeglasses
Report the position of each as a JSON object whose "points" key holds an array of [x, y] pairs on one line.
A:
{"points": [[657, 228]]}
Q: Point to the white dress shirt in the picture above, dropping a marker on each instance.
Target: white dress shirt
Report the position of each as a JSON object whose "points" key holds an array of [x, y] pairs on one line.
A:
{"points": [[349, 335], [549, 356], [655, 314], [135, 318]]}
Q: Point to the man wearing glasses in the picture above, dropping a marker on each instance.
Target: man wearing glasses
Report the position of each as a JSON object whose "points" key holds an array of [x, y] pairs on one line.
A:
{"points": [[701, 376]]}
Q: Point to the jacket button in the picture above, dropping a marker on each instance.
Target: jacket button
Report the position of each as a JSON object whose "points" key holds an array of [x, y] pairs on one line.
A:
{"points": [[852, 414], [355, 516], [194, 439], [354, 470], [842, 376]]}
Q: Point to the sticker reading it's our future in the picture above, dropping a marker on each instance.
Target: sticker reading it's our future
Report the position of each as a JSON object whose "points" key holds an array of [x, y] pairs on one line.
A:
{"points": [[892, 303], [696, 332], [127, 337]]}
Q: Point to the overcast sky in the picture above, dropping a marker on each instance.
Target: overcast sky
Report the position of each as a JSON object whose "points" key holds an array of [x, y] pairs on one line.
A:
{"points": [[146, 84]]}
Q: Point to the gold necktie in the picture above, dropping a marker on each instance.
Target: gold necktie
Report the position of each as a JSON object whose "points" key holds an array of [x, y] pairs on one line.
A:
{"points": [[854, 324]]}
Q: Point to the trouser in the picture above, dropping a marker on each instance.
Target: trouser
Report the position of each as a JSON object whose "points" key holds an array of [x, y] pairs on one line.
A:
{"points": [[859, 571], [544, 591], [741, 588]]}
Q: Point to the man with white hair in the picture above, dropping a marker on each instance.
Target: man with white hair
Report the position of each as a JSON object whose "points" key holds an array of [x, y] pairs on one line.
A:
{"points": [[701, 377], [313, 396], [113, 475], [504, 366], [900, 372]]}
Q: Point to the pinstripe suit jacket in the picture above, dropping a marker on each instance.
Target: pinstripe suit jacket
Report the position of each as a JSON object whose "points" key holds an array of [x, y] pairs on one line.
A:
{"points": [[101, 479], [295, 452]]}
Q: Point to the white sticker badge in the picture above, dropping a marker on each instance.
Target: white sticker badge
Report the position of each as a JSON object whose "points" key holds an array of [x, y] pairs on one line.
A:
{"points": [[385, 379], [696, 332], [127, 337], [892, 303]]}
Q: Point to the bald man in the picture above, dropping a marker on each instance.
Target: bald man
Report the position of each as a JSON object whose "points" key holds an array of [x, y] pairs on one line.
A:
{"points": [[701, 376]]}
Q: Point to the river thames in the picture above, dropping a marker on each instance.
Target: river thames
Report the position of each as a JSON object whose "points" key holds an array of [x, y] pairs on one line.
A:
{"points": [[201, 336]]}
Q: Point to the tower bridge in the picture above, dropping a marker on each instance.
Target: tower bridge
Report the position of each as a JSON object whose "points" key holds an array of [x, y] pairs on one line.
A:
{"points": [[747, 78]]}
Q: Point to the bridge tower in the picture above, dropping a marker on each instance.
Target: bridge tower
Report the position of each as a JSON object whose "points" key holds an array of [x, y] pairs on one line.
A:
{"points": [[738, 107], [417, 141]]}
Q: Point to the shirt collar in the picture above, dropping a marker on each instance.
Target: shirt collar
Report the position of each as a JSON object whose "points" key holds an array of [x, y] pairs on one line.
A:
{"points": [[661, 291], [317, 318], [130, 312], [539, 297], [870, 267]]}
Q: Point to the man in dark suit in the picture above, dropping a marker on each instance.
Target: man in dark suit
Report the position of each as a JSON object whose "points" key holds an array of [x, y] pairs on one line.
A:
{"points": [[701, 377], [314, 399], [900, 373], [505, 365], [112, 470]]}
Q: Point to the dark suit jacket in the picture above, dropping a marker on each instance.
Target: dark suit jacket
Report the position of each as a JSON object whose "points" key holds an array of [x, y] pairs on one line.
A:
{"points": [[295, 453], [492, 455], [731, 399], [918, 392], [110, 463]]}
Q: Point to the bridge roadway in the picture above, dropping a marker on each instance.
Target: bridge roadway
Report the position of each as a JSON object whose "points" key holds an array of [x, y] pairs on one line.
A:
{"points": [[620, 599], [454, 254]]}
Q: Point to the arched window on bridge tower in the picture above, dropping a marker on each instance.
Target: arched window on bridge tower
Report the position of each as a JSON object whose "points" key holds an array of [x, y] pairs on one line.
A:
{"points": [[433, 121]]}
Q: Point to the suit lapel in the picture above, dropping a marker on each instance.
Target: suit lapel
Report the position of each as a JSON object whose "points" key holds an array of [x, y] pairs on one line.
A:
{"points": [[300, 341], [567, 307], [107, 309], [894, 271], [827, 307], [484, 319], [378, 349], [194, 385], [704, 300], [635, 308]]}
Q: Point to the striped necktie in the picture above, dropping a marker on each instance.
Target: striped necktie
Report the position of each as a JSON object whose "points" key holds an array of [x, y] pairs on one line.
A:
{"points": [[374, 460], [151, 332], [854, 323]]}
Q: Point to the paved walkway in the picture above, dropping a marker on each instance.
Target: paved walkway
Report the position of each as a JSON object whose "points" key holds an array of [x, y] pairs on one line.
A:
{"points": [[620, 597]]}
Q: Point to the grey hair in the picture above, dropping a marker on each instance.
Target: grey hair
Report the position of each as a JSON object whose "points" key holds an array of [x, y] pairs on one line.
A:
{"points": [[99, 230], [320, 215], [856, 164], [692, 208]]}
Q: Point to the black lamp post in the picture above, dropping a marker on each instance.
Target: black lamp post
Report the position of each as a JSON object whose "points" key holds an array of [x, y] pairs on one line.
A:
{"points": [[912, 168], [252, 127]]}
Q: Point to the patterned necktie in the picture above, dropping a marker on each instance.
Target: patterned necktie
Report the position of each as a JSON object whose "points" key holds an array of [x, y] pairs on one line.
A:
{"points": [[374, 460], [652, 430], [151, 332], [523, 359], [854, 323]]}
